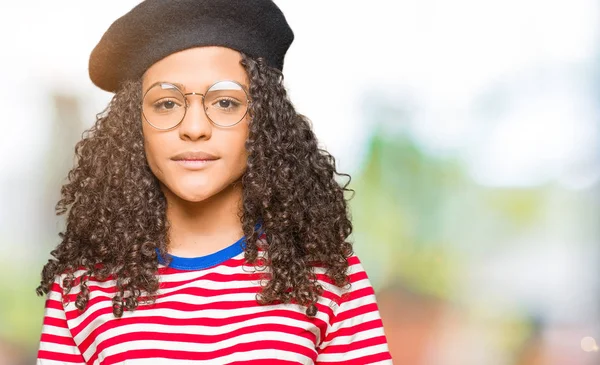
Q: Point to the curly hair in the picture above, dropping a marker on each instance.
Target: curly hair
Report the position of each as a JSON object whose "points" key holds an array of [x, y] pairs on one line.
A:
{"points": [[116, 213]]}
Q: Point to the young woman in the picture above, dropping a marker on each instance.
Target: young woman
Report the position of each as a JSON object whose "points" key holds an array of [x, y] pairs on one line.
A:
{"points": [[204, 223]]}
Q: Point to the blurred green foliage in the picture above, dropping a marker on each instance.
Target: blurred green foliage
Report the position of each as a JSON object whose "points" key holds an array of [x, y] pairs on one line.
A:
{"points": [[398, 214], [21, 310]]}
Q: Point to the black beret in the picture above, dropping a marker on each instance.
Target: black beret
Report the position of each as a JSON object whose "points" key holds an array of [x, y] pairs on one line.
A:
{"points": [[155, 29]]}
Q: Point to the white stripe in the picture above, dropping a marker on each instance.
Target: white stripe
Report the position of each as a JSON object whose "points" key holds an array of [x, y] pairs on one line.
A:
{"points": [[56, 331], [54, 313], [59, 348], [190, 299], [363, 335], [213, 331], [354, 354], [192, 281], [53, 362], [193, 347], [356, 303], [358, 285], [352, 322], [177, 314], [383, 362], [52, 295], [352, 269], [239, 356]]}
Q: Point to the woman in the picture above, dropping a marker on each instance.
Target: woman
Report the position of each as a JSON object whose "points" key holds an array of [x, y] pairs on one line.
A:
{"points": [[204, 223]]}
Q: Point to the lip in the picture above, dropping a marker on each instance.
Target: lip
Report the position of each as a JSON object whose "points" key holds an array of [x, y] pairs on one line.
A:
{"points": [[194, 160], [194, 164], [194, 156]]}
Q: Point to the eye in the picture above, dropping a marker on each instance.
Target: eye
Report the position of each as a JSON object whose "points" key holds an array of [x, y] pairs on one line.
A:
{"points": [[166, 105], [226, 104]]}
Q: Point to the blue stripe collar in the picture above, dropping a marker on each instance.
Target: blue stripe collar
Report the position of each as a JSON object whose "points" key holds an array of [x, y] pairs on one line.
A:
{"points": [[206, 261]]}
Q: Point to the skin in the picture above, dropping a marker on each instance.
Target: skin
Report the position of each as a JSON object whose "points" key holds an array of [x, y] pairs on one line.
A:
{"points": [[202, 205]]}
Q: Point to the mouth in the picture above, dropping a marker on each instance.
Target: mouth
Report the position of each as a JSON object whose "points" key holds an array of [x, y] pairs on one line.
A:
{"points": [[194, 164], [194, 160]]}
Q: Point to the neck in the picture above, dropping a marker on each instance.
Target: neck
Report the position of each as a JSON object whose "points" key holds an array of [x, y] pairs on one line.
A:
{"points": [[201, 228]]}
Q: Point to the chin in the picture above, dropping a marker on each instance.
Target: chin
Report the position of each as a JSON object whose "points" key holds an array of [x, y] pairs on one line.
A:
{"points": [[194, 198], [195, 195], [188, 192]]}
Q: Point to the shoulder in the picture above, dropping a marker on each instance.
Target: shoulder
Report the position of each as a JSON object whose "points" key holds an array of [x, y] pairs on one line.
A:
{"points": [[67, 283], [58, 296], [358, 281]]}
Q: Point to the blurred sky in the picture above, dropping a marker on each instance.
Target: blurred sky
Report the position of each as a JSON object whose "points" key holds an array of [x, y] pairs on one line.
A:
{"points": [[446, 61]]}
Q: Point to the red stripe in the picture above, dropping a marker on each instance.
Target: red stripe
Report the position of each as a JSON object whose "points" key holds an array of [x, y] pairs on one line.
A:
{"points": [[65, 358], [54, 304], [186, 307], [55, 322], [349, 331], [59, 340], [370, 359], [200, 339], [264, 361], [185, 290], [354, 312], [356, 294], [193, 291], [197, 321], [55, 287], [353, 260], [179, 306], [232, 263], [215, 277], [212, 355], [354, 345], [357, 276]]}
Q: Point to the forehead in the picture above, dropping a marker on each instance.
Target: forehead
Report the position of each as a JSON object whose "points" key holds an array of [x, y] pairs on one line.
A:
{"points": [[197, 68]]}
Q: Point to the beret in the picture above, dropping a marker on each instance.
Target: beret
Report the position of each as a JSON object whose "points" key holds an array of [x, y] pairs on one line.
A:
{"points": [[155, 29]]}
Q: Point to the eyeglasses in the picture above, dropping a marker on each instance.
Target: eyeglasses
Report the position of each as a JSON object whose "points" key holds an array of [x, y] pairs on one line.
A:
{"points": [[225, 104]]}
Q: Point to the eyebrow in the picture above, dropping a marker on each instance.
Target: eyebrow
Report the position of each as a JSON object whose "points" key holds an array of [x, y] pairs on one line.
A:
{"points": [[182, 86]]}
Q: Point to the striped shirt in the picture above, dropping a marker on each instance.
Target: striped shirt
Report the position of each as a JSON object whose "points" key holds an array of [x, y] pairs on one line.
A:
{"points": [[206, 313]]}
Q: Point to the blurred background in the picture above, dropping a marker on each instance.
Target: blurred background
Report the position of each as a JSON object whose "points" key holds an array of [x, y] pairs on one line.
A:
{"points": [[471, 130]]}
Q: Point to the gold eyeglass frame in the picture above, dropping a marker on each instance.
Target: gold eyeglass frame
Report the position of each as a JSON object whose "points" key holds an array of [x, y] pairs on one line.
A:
{"points": [[187, 104]]}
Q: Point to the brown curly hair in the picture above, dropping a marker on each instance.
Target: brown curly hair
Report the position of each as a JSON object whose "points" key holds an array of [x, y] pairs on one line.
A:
{"points": [[116, 221]]}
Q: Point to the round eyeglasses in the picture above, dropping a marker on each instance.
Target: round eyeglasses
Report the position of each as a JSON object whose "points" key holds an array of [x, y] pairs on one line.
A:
{"points": [[164, 105]]}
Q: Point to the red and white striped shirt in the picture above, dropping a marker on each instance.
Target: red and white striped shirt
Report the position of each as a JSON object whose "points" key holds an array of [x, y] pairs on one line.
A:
{"points": [[206, 313]]}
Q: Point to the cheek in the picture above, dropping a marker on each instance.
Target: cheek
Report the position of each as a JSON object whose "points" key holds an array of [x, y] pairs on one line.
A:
{"points": [[239, 155], [153, 152]]}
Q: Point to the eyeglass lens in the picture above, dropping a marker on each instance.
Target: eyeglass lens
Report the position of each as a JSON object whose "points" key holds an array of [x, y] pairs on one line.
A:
{"points": [[225, 104]]}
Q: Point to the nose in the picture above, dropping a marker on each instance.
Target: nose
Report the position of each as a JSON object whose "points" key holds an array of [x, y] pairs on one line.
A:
{"points": [[195, 124]]}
